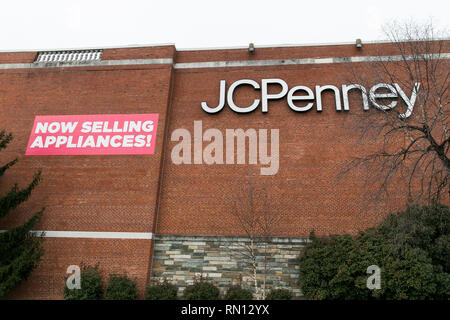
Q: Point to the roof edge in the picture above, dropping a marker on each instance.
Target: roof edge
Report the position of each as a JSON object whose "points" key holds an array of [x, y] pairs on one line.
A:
{"points": [[299, 45], [209, 48], [130, 46]]}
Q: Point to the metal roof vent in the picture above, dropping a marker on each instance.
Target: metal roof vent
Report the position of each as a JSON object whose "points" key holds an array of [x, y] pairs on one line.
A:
{"points": [[69, 56]]}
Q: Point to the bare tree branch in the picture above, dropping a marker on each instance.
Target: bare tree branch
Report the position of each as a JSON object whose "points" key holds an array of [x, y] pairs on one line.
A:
{"points": [[413, 149]]}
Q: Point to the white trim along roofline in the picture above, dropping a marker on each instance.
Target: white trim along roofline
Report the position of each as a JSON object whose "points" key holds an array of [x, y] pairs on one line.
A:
{"points": [[93, 234], [94, 63], [257, 63], [216, 64]]}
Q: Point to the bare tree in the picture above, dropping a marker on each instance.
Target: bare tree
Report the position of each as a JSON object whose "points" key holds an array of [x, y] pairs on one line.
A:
{"points": [[413, 138], [258, 221]]}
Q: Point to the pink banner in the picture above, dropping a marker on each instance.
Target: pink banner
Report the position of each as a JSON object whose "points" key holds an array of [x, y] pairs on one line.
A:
{"points": [[93, 134]]}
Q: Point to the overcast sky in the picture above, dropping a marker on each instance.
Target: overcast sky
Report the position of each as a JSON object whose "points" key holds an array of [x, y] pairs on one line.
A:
{"points": [[47, 24]]}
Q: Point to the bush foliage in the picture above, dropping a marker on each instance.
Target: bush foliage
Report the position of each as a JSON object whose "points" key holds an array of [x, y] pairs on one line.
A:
{"points": [[201, 290], [412, 249], [279, 294], [161, 291], [20, 251], [120, 287], [91, 286], [238, 293]]}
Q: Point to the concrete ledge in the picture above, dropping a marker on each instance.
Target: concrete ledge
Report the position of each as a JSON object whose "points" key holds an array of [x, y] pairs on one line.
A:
{"points": [[217, 64], [103, 63], [226, 239]]}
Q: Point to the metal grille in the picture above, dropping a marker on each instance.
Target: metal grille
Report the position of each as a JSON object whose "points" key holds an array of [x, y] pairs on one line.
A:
{"points": [[69, 56]]}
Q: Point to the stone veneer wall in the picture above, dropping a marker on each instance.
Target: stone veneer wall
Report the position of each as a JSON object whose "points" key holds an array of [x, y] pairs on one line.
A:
{"points": [[182, 259]]}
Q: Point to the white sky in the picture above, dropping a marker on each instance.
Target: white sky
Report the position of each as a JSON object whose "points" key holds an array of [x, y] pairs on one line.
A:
{"points": [[47, 24]]}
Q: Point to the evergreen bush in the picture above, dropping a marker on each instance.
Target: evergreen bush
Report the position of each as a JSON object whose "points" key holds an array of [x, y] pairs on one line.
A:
{"points": [[411, 248], [91, 286], [279, 294], [201, 290], [161, 291], [238, 293], [120, 287]]}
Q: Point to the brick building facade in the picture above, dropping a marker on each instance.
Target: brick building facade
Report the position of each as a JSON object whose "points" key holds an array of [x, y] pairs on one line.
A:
{"points": [[152, 218]]}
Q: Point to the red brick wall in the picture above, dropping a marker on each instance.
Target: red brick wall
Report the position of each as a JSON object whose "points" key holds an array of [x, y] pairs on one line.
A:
{"points": [[17, 57], [157, 52], [114, 256], [85, 193], [279, 53], [314, 147], [90, 193]]}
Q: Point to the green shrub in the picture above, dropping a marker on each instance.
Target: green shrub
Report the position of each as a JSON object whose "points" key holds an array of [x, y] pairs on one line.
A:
{"points": [[279, 294], [91, 286], [120, 287], [319, 264], [237, 293], [161, 291], [201, 290], [412, 249]]}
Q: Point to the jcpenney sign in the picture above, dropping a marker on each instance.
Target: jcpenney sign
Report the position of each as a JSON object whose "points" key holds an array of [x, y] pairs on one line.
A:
{"points": [[303, 93]]}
